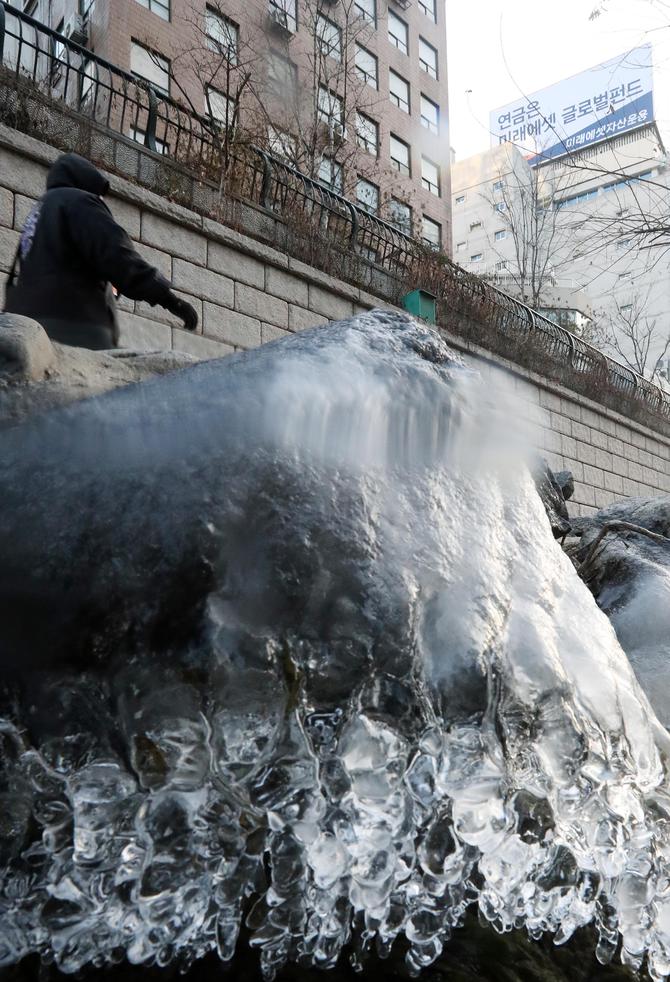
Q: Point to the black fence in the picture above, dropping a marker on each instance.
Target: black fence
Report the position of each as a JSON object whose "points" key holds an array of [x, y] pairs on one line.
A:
{"points": [[66, 73]]}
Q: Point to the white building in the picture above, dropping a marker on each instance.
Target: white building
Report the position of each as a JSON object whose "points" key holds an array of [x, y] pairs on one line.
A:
{"points": [[562, 230]]}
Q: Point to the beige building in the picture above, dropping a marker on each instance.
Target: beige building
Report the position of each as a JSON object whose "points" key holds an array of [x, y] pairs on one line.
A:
{"points": [[353, 92], [564, 237]]}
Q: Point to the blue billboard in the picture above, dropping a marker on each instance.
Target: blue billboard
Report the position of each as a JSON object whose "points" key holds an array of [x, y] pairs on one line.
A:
{"points": [[581, 111]]}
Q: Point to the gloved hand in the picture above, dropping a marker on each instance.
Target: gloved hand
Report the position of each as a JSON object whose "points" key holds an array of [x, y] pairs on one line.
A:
{"points": [[180, 308]]}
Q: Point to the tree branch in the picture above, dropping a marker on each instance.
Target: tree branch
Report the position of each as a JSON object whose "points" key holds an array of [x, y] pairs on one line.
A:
{"points": [[617, 527]]}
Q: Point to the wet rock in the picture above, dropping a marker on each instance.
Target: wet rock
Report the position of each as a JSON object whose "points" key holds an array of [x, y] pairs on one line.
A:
{"points": [[550, 490], [566, 483], [293, 653], [629, 575]]}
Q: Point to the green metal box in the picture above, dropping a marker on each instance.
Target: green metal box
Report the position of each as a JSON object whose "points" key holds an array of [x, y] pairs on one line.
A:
{"points": [[421, 304]]}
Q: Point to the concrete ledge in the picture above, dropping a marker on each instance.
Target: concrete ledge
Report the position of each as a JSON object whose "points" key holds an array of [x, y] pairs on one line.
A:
{"points": [[195, 344], [299, 319], [6, 208], [231, 327], [139, 334], [602, 417], [218, 232], [9, 240]]}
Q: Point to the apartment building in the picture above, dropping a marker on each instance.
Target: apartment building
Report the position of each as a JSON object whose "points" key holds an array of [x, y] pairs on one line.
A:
{"points": [[353, 92]]}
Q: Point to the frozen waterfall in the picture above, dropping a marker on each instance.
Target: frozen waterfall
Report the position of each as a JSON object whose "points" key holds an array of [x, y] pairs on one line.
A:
{"points": [[304, 653]]}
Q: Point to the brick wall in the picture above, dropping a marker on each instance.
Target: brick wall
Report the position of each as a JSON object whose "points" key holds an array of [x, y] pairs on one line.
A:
{"points": [[247, 293]]}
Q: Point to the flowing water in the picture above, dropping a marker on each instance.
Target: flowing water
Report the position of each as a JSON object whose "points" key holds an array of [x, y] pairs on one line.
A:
{"points": [[401, 700]]}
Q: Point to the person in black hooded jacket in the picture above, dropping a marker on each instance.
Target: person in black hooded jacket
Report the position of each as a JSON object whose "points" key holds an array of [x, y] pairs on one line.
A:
{"points": [[71, 252]]}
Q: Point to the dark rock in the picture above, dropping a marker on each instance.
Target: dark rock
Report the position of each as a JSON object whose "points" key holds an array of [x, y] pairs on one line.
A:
{"points": [[182, 589], [550, 491], [629, 575], [566, 483]]}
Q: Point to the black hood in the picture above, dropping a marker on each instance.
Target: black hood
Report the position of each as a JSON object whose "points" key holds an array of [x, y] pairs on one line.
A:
{"points": [[73, 171]]}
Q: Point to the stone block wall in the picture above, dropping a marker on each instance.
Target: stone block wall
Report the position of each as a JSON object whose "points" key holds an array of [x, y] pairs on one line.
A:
{"points": [[247, 293], [610, 456]]}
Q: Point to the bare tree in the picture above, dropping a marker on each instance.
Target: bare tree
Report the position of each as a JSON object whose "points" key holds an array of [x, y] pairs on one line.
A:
{"points": [[330, 115], [528, 209], [212, 74], [635, 337], [308, 110]]}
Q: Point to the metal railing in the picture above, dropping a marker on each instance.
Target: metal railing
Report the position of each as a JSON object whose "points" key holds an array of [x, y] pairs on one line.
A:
{"points": [[93, 89]]}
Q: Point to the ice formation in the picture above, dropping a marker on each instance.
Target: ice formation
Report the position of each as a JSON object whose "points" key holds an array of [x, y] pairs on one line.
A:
{"points": [[629, 576], [395, 698]]}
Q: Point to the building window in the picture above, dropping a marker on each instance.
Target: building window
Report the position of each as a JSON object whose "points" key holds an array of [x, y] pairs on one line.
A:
{"points": [[431, 233], [398, 33], [400, 215], [400, 155], [627, 182], [58, 47], [427, 7], [460, 246], [282, 76], [366, 66], [367, 9], [284, 12], [330, 108], [329, 38], [430, 176], [140, 136], [398, 91], [430, 114], [498, 185], [499, 206], [160, 7], [282, 144], [477, 258], [428, 57], [222, 35], [87, 80], [220, 107], [150, 66], [367, 134], [460, 198], [367, 195], [331, 174], [500, 266], [474, 225], [577, 199], [500, 234]]}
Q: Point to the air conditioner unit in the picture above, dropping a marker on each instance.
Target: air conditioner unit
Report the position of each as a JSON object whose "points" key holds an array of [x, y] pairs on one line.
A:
{"points": [[279, 21], [76, 30]]}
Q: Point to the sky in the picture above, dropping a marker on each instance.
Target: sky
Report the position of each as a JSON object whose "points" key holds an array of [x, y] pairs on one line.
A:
{"points": [[500, 49]]}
